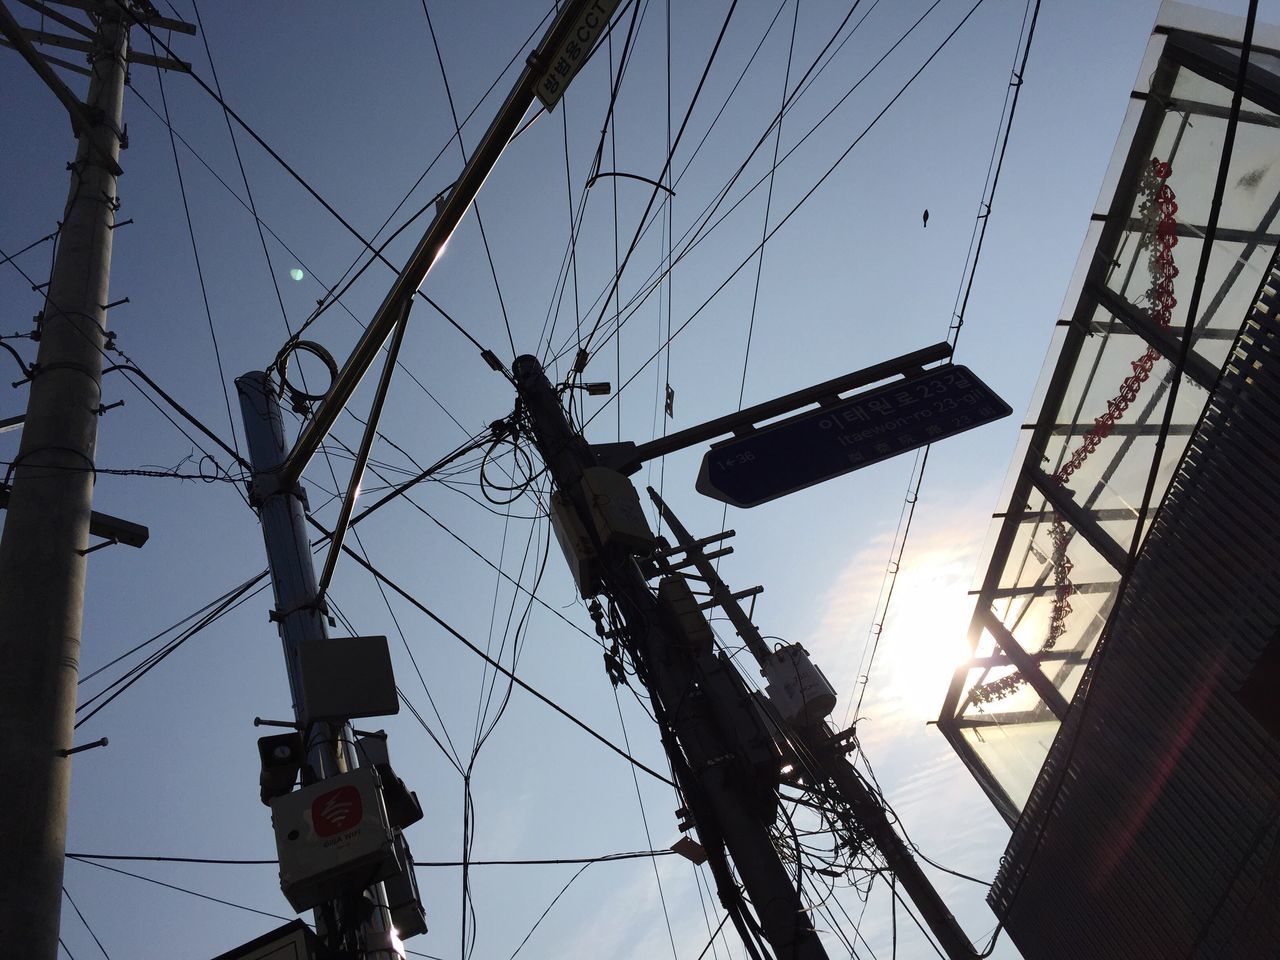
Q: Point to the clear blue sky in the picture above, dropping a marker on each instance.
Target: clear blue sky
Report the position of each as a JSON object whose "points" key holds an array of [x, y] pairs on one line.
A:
{"points": [[352, 96]]}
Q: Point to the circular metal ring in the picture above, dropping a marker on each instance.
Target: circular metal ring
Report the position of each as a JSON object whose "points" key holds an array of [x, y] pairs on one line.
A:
{"points": [[317, 351]]}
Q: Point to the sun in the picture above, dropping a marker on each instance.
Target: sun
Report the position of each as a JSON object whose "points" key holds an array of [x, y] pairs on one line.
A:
{"points": [[923, 637]]}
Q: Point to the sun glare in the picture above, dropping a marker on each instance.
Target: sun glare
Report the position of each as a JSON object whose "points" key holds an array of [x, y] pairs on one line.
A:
{"points": [[923, 640]]}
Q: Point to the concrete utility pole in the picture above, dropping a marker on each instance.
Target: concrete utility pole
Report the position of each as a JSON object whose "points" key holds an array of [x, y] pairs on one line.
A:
{"points": [[301, 619], [821, 743], [694, 695], [46, 530]]}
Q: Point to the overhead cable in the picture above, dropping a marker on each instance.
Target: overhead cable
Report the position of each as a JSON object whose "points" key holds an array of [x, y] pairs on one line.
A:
{"points": [[305, 184], [420, 606], [972, 256], [512, 862], [786, 218]]}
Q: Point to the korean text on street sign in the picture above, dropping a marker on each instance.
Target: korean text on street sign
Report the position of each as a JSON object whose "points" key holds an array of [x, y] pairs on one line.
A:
{"points": [[833, 440], [563, 64]]}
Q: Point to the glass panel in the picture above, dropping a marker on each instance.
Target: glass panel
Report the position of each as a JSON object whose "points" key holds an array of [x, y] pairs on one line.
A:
{"points": [[1235, 272], [1013, 752], [1099, 434], [1266, 60], [1028, 557], [1189, 85]]}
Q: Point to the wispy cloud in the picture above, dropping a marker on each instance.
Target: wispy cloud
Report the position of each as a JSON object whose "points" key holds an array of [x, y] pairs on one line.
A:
{"points": [[922, 638]]}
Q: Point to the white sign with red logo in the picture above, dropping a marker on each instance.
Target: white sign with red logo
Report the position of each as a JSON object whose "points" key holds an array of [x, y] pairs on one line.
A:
{"points": [[336, 811], [332, 837]]}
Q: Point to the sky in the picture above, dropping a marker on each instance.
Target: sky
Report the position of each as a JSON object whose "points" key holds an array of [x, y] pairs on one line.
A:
{"points": [[353, 98]]}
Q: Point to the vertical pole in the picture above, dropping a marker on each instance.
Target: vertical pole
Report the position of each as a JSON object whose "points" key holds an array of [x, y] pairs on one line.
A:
{"points": [[42, 568], [723, 789], [300, 619], [817, 741]]}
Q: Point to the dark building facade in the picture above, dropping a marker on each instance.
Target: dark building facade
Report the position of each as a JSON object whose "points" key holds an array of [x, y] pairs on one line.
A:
{"points": [[1125, 724]]}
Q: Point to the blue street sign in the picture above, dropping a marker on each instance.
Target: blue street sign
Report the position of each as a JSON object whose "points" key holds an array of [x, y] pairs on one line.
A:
{"points": [[834, 440]]}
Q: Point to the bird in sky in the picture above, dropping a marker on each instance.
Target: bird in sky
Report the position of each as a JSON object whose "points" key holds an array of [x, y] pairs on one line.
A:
{"points": [[926, 219]]}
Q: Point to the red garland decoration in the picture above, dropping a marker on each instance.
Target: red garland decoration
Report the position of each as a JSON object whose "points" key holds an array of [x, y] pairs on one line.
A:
{"points": [[1158, 209]]}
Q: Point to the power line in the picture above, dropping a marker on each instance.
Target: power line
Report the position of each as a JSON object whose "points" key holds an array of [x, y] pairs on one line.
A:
{"points": [[423, 608], [330, 298], [137, 672], [195, 249], [110, 348], [696, 229], [175, 887], [808, 194], [764, 230], [554, 900], [700, 230], [644, 819], [513, 862], [5, 258], [972, 256], [712, 941], [462, 148], [706, 70], [302, 181], [67, 894]]}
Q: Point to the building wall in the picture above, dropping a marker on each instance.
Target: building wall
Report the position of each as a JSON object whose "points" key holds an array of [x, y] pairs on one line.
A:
{"points": [[1073, 506], [1153, 830]]}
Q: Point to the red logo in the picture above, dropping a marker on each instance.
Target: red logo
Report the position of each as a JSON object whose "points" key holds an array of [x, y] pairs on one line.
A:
{"points": [[336, 811]]}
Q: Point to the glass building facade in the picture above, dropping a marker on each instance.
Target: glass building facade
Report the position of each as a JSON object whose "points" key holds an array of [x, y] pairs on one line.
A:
{"points": [[1072, 509]]}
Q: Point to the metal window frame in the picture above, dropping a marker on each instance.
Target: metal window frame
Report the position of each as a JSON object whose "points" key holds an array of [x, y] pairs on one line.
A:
{"points": [[1213, 60]]}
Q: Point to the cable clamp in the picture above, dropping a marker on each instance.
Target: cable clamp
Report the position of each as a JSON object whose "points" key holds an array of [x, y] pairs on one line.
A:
{"points": [[265, 485], [318, 605], [38, 369]]}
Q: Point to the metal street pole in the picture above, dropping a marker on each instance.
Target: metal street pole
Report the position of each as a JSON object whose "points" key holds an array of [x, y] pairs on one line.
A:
{"points": [[579, 18], [46, 528], [819, 741], [692, 693], [299, 616]]}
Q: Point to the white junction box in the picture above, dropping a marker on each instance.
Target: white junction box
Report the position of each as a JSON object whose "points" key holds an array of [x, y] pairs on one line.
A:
{"points": [[616, 511], [584, 562], [332, 838], [799, 690]]}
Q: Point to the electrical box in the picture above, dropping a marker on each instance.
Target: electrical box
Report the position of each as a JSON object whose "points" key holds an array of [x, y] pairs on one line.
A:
{"points": [[372, 749], [401, 803], [293, 941], [281, 757], [579, 551], [346, 677], [615, 509], [799, 690], [403, 899], [332, 838], [680, 609]]}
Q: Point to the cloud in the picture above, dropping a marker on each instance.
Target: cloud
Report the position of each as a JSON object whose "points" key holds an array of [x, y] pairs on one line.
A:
{"points": [[922, 638]]}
